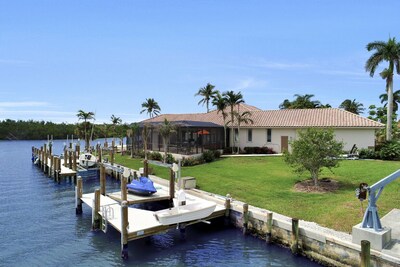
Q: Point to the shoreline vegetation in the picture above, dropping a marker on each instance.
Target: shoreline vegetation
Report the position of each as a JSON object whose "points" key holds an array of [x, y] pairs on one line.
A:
{"points": [[40, 130], [268, 183]]}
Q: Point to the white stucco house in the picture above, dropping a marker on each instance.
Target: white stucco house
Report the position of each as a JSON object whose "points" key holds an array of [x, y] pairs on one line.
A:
{"points": [[271, 128]]}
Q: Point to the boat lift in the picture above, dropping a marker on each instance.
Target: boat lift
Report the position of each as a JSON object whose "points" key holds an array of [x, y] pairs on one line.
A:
{"points": [[371, 217]]}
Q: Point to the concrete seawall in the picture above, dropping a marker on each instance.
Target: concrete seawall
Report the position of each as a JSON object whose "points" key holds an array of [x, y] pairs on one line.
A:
{"points": [[327, 246]]}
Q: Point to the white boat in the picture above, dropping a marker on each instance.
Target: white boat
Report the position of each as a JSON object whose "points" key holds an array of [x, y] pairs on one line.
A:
{"points": [[87, 160], [185, 213]]}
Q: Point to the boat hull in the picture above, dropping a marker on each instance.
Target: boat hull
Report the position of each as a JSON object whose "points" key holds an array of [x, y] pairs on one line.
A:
{"points": [[185, 213]]}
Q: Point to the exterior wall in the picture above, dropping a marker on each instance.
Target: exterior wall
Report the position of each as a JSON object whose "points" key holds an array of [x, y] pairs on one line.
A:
{"points": [[363, 138], [260, 138]]}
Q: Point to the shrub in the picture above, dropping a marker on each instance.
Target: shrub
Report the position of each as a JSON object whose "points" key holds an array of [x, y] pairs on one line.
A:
{"points": [[208, 156], [366, 153], [170, 159], [191, 161], [217, 154], [390, 150], [259, 150], [155, 156]]}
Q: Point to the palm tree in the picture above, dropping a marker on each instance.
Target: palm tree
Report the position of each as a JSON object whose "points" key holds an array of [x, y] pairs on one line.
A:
{"points": [[220, 103], [385, 51], [151, 107], [207, 92], [352, 106], [396, 100], [85, 116], [166, 128], [242, 117], [232, 99], [117, 121], [385, 74], [302, 102]]}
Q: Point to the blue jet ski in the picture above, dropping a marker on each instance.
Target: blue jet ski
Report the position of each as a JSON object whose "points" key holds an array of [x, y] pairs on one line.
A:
{"points": [[143, 187]]}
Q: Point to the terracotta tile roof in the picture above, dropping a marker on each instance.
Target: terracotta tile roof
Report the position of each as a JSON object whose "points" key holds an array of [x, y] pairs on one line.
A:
{"points": [[285, 118]]}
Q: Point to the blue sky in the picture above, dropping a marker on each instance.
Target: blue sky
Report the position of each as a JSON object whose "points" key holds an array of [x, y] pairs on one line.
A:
{"points": [[57, 57]]}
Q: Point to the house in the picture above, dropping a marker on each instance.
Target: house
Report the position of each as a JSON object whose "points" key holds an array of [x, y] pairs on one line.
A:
{"points": [[271, 128]]}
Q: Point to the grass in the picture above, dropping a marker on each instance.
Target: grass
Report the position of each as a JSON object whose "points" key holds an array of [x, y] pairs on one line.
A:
{"points": [[267, 182]]}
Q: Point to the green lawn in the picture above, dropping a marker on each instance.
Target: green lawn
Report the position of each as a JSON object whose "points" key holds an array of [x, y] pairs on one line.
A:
{"points": [[267, 182]]}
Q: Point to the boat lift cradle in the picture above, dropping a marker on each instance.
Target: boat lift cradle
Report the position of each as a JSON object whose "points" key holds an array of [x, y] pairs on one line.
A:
{"points": [[371, 217]]}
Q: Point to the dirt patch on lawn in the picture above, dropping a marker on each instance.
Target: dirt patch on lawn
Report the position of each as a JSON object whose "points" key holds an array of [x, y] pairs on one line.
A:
{"points": [[326, 185]]}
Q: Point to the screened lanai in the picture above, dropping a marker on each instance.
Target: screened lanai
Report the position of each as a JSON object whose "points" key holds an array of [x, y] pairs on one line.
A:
{"points": [[188, 137]]}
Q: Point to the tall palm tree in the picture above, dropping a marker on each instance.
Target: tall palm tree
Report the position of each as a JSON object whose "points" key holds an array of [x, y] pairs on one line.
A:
{"points": [[245, 118], [207, 92], [166, 128], [232, 99], [115, 122], [85, 116], [390, 52], [352, 106], [151, 107], [220, 103]]}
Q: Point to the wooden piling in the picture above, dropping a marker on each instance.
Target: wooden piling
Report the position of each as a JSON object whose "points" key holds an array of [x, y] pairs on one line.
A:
{"points": [[65, 156], [295, 236], [145, 168], [245, 218], [268, 237], [74, 165], [112, 157], [78, 149], [227, 209], [95, 211], [365, 253], [99, 155], [44, 163], [78, 195], [171, 187], [124, 190], [70, 159], [51, 167], [124, 230], [102, 180]]}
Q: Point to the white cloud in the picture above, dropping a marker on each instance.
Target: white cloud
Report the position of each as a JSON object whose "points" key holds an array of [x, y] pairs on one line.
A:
{"points": [[249, 83], [280, 65], [23, 104]]}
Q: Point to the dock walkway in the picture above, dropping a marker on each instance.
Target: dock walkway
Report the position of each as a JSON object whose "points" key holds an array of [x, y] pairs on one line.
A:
{"points": [[141, 222]]}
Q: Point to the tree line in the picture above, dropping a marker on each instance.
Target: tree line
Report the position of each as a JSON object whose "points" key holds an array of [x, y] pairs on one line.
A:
{"points": [[41, 130]]}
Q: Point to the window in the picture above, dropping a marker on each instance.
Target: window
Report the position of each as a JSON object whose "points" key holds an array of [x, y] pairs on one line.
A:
{"points": [[250, 135], [269, 135], [236, 135]]}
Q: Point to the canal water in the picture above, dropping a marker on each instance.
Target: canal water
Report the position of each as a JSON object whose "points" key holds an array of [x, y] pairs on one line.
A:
{"points": [[39, 228]]}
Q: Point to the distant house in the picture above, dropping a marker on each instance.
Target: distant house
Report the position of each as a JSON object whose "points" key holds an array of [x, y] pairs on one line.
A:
{"points": [[271, 128]]}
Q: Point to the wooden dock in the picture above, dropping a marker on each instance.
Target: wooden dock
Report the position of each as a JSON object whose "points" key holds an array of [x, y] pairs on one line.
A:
{"points": [[141, 223]]}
